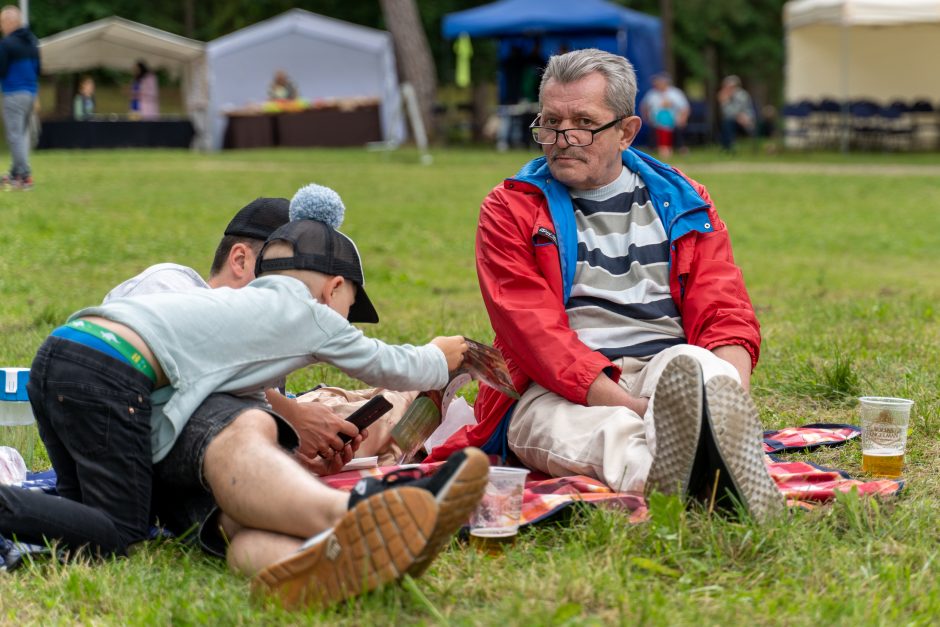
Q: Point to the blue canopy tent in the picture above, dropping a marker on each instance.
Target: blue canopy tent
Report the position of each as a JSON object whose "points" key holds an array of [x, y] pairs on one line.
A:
{"points": [[556, 25]]}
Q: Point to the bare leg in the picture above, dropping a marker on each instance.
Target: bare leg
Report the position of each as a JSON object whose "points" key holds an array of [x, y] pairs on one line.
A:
{"points": [[252, 550], [258, 485]]}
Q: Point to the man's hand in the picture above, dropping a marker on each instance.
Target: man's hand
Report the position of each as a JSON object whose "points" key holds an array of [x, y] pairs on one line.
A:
{"points": [[316, 424], [453, 348], [605, 393], [322, 466]]}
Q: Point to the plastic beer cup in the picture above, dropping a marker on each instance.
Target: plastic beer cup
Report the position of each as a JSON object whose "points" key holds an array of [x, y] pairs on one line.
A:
{"points": [[495, 522], [884, 434]]}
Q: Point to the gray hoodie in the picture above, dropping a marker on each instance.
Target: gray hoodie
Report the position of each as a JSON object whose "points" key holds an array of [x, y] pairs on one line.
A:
{"points": [[240, 341]]}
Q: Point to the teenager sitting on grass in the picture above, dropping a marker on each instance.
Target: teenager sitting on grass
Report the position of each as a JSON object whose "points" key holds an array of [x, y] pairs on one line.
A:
{"points": [[167, 388]]}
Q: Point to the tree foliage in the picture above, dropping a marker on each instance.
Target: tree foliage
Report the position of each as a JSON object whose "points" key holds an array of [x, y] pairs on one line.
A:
{"points": [[745, 35], [215, 18]]}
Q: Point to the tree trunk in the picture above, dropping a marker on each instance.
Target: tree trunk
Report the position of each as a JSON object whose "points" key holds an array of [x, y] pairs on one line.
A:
{"points": [[413, 55], [711, 88], [189, 18], [669, 57], [65, 87]]}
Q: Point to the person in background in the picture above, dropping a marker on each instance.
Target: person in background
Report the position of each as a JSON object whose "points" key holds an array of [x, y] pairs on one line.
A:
{"points": [[737, 112], [666, 109], [145, 93], [19, 78], [83, 106], [281, 87]]}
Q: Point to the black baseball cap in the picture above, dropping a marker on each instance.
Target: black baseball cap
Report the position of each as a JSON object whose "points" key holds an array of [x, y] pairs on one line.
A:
{"points": [[259, 218], [321, 248]]}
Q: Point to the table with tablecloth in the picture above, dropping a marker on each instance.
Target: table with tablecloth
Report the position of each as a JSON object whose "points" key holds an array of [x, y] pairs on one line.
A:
{"points": [[315, 126], [116, 133]]}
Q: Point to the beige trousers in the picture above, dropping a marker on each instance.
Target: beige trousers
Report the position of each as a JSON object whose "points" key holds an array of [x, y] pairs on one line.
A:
{"points": [[613, 444]]}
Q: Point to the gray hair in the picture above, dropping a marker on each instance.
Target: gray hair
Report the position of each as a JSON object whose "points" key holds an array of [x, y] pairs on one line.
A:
{"points": [[575, 65]]}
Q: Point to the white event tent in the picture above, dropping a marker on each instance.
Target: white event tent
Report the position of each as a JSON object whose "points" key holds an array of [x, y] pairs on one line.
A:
{"points": [[881, 50], [325, 58], [117, 43]]}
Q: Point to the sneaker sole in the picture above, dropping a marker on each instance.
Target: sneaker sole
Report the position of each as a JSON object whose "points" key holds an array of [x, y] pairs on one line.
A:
{"points": [[455, 501], [736, 429], [677, 412], [373, 544]]}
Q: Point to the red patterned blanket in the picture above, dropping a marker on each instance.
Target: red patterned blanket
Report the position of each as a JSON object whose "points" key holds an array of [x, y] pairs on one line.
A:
{"points": [[804, 484]]}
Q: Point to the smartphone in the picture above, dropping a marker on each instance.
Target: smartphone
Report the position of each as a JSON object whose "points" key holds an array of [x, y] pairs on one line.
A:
{"points": [[367, 414]]}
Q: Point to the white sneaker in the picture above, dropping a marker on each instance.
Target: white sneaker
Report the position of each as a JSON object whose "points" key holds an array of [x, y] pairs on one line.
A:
{"points": [[677, 418]]}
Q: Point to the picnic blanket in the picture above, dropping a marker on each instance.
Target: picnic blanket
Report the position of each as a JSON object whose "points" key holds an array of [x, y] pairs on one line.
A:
{"points": [[805, 485]]}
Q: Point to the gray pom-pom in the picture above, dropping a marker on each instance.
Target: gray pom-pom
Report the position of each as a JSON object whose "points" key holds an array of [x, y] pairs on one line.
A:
{"points": [[316, 202]]}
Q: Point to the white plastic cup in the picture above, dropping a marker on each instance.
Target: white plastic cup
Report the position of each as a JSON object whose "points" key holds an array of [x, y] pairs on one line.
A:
{"points": [[496, 519], [884, 423]]}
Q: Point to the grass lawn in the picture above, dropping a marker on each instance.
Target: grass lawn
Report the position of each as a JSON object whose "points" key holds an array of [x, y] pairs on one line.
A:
{"points": [[840, 255]]}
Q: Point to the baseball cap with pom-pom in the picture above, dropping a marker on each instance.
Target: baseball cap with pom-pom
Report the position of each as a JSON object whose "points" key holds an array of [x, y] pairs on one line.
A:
{"points": [[316, 202], [318, 246]]}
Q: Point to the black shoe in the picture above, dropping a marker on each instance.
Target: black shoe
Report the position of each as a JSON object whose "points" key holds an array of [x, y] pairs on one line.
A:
{"points": [[732, 437], [457, 486]]}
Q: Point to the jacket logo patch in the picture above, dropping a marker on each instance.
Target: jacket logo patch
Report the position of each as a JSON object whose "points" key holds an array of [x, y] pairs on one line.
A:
{"points": [[544, 233]]}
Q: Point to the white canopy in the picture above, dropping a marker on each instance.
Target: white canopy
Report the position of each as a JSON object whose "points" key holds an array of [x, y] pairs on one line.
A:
{"points": [[324, 57], [116, 43], [881, 50]]}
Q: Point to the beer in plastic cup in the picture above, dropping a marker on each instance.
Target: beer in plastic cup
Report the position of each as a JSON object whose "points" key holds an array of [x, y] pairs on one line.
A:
{"points": [[495, 522], [884, 434]]}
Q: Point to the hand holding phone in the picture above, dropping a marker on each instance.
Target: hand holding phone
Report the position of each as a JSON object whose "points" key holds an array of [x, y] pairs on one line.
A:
{"points": [[377, 407]]}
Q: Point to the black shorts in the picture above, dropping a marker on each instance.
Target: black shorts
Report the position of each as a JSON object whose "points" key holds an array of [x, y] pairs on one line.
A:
{"points": [[182, 500]]}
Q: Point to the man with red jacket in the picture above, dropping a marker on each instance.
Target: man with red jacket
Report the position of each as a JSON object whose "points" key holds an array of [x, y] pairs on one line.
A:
{"points": [[609, 280]]}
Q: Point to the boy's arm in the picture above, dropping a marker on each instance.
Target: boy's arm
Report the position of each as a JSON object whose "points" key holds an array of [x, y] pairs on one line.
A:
{"points": [[392, 366]]}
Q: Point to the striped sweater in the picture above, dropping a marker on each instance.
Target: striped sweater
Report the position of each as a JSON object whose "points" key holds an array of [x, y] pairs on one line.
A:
{"points": [[620, 302]]}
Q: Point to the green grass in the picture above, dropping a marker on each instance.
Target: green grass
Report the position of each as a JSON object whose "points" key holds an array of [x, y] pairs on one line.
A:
{"points": [[840, 256]]}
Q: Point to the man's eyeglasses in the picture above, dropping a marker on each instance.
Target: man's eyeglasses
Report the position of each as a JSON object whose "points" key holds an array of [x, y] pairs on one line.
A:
{"points": [[547, 136]]}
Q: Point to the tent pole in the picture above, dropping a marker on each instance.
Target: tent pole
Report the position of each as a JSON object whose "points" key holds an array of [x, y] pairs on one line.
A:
{"points": [[844, 79]]}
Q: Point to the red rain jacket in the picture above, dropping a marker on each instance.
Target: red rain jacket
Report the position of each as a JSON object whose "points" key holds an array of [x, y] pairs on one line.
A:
{"points": [[520, 273]]}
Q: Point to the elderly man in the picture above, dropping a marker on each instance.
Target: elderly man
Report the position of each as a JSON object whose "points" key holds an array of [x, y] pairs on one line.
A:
{"points": [[19, 78], [608, 276]]}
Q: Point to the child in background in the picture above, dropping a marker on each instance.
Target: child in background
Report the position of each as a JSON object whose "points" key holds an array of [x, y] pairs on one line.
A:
{"points": [[665, 124], [83, 106]]}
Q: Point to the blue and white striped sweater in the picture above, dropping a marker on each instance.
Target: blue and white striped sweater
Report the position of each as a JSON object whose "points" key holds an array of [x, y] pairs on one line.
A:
{"points": [[678, 205]]}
